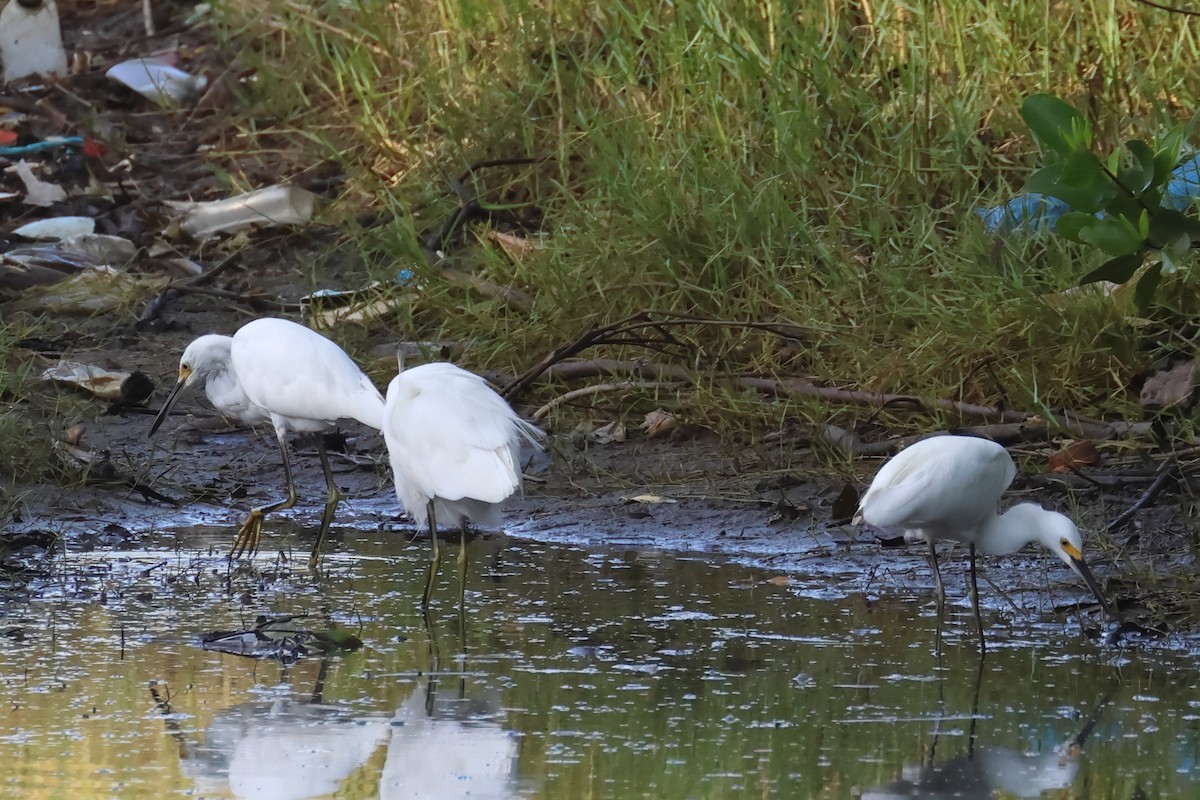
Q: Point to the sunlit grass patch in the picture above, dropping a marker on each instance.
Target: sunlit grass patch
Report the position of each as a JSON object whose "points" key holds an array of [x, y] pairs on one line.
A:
{"points": [[814, 163]]}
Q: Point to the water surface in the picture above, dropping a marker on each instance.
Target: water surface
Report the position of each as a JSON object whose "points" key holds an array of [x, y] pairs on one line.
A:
{"points": [[571, 674]]}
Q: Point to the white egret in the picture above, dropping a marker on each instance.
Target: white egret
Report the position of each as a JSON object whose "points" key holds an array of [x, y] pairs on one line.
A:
{"points": [[277, 370], [455, 449], [948, 487]]}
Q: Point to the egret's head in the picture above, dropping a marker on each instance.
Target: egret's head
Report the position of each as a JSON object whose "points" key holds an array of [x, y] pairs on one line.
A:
{"points": [[1060, 535], [203, 356]]}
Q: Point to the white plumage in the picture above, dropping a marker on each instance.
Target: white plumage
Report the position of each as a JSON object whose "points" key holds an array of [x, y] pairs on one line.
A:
{"points": [[455, 449], [277, 370], [949, 487]]}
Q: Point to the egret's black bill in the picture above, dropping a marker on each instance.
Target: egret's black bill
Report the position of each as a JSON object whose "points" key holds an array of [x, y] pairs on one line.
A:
{"points": [[166, 407], [1086, 574]]}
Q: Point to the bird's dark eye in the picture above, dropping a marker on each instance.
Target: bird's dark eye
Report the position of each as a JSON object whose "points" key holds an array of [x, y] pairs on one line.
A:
{"points": [[1064, 543]]}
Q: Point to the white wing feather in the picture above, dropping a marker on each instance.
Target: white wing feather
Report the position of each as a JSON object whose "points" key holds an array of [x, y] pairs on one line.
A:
{"points": [[452, 438], [297, 373], [947, 484]]}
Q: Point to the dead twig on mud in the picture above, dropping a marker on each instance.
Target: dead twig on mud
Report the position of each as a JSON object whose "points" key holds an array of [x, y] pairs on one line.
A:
{"points": [[1160, 481], [601, 388], [617, 333], [1006, 426]]}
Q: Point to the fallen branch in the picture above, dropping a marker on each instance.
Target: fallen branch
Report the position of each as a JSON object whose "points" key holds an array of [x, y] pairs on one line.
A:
{"points": [[601, 388], [1160, 481], [617, 333], [1007, 426]]}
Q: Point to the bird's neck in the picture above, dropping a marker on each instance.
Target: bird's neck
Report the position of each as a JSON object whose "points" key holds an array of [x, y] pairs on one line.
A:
{"points": [[1006, 533], [222, 387]]}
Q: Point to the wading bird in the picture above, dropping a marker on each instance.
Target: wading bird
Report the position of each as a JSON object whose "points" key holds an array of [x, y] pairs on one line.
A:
{"points": [[277, 370], [948, 487], [455, 449]]}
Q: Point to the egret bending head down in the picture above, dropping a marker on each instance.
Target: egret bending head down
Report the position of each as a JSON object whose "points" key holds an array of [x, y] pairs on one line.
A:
{"points": [[455, 450], [948, 487], [277, 370]]}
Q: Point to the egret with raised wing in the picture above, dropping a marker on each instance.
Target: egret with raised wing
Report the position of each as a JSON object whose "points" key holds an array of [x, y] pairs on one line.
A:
{"points": [[277, 370]]}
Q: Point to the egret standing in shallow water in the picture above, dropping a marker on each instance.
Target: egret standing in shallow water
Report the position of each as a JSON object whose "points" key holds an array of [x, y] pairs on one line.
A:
{"points": [[277, 370], [455, 449], [948, 487]]}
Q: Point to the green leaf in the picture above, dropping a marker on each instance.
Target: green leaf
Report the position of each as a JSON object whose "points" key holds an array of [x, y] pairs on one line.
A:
{"points": [[1071, 223], [1117, 270], [1056, 125], [1143, 293], [1167, 225], [1138, 176], [1083, 190], [1166, 154], [1114, 235]]}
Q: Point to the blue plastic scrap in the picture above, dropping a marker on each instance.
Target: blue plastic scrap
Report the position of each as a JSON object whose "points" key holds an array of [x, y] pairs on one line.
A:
{"points": [[1035, 212], [45, 144]]}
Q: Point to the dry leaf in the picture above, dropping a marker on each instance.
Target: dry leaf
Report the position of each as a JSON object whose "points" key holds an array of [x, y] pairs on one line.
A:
{"points": [[1077, 454], [606, 434], [648, 499], [1170, 387], [515, 247], [658, 423]]}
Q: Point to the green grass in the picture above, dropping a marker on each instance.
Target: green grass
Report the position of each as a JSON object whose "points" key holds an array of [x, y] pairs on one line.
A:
{"points": [[805, 162]]}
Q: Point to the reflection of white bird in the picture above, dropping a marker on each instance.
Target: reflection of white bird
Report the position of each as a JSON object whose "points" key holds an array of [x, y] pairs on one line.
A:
{"points": [[991, 771], [436, 755], [299, 380], [455, 449], [283, 750], [948, 487]]}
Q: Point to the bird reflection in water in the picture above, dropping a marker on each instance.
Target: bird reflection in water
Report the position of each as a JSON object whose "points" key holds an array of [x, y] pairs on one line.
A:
{"points": [[444, 745], [986, 771]]}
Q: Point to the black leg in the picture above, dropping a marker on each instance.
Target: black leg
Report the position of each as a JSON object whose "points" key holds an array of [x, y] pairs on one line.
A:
{"points": [[462, 566], [433, 564], [937, 579], [332, 498], [975, 606]]}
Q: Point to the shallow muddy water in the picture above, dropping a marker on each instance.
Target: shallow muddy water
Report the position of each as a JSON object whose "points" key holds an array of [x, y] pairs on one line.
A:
{"points": [[571, 674]]}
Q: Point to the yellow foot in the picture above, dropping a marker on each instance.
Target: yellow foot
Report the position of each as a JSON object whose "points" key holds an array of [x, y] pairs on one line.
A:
{"points": [[246, 542]]}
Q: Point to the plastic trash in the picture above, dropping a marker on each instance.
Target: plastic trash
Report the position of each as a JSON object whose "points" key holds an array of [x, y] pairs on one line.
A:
{"points": [[1033, 212], [49, 143], [94, 290], [57, 228], [274, 205], [37, 191], [126, 387], [48, 263], [156, 80], [326, 308], [31, 40]]}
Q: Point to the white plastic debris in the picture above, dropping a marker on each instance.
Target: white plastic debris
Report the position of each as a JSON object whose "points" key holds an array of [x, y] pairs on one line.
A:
{"points": [[274, 205], [31, 40], [156, 80], [57, 228], [105, 384], [93, 290], [37, 191]]}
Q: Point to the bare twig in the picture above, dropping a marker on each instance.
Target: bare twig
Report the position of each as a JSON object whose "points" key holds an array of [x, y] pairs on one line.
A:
{"points": [[616, 333], [1171, 9], [1160, 481], [601, 388]]}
